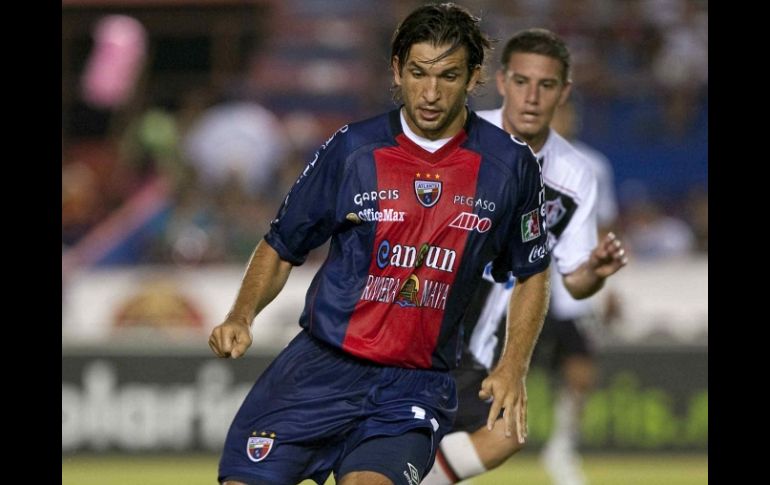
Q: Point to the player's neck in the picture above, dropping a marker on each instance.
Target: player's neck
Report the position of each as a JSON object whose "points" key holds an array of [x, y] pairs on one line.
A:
{"points": [[425, 143], [536, 142]]}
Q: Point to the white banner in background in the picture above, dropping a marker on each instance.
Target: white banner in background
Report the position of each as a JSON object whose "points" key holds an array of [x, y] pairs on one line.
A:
{"points": [[185, 303], [668, 298]]}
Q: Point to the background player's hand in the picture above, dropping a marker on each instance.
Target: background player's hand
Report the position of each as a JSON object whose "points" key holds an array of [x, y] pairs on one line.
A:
{"points": [[230, 339], [509, 394], [608, 256]]}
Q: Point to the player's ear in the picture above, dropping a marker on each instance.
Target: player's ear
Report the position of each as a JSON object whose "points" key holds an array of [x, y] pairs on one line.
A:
{"points": [[500, 78], [475, 76], [394, 65], [565, 93]]}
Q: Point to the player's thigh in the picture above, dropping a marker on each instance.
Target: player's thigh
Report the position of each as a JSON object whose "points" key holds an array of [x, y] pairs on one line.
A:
{"points": [[401, 460], [570, 341], [365, 478]]}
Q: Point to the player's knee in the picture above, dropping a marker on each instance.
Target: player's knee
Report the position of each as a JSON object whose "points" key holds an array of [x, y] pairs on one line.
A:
{"points": [[580, 374], [581, 384], [495, 452]]}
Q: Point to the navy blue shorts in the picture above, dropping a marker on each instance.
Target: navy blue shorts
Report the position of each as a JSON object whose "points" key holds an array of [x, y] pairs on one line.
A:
{"points": [[315, 405]]}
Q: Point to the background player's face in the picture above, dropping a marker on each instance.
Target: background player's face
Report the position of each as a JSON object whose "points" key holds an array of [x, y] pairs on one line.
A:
{"points": [[532, 89], [434, 93]]}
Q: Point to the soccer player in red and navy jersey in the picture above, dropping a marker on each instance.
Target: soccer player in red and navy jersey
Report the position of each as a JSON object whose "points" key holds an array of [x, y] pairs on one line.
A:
{"points": [[416, 202]]}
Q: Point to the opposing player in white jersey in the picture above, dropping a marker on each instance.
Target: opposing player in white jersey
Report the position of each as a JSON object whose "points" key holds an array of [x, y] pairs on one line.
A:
{"points": [[534, 81], [567, 344]]}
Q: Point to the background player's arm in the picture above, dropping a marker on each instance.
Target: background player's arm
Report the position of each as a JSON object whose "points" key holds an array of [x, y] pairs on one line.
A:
{"points": [[506, 384], [265, 277], [607, 258]]}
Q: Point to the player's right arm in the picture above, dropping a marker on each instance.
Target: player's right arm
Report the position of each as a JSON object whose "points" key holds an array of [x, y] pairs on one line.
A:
{"points": [[265, 277], [506, 384], [305, 220]]}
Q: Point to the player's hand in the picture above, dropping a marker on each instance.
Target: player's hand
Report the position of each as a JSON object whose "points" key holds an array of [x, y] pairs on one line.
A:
{"points": [[508, 394], [230, 339], [608, 256]]}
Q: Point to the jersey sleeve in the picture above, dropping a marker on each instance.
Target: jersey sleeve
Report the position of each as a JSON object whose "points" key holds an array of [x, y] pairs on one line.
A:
{"points": [[580, 237], [306, 218], [527, 250]]}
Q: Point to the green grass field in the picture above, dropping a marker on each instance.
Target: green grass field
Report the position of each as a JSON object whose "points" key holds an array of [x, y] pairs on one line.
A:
{"points": [[523, 469]]}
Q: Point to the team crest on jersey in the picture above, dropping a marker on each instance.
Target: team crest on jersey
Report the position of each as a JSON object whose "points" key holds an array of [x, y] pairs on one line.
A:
{"points": [[530, 226], [554, 211], [427, 188], [258, 447]]}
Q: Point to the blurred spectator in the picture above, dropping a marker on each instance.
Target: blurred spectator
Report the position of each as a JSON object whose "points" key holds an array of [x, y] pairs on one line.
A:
{"points": [[681, 65], [652, 234], [149, 146], [94, 182], [697, 215], [229, 159], [628, 44], [238, 141], [80, 201], [115, 62]]}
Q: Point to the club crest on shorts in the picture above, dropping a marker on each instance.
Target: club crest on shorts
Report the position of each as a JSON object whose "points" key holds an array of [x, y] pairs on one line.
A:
{"points": [[427, 191], [258, 447]]}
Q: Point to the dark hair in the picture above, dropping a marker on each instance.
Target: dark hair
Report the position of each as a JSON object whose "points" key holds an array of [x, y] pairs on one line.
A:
{"points": [[441, 24], [538, 41]]}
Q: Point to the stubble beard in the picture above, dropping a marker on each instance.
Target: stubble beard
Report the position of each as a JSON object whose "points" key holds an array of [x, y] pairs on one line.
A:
{"points": [[435, 129]]}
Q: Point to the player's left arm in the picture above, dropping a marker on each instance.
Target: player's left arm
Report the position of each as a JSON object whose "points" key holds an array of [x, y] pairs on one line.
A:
{"points": [[605, 260], [506, 384]]}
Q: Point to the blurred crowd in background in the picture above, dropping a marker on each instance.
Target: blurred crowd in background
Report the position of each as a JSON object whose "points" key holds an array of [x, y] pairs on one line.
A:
{"points": [[184, 124]]}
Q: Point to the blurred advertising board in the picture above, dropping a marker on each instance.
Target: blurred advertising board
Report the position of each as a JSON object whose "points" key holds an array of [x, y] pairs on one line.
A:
{"points": [[138, 376], [648, 399]]}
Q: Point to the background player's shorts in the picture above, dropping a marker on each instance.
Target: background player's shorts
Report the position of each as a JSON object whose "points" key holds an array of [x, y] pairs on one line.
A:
{"points": [[558, 340], [472, 412], [314, 405]]}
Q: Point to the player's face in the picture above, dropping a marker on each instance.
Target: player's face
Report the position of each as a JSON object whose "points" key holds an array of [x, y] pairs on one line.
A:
{"points": [[532, 89], [434, 93]]}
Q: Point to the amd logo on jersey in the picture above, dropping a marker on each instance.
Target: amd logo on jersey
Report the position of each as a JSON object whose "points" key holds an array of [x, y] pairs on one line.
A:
{"points": [[469, 221]]}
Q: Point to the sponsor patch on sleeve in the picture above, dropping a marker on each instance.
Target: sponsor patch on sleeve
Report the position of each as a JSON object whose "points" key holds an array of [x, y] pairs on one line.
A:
{"points": [[530, 226]]}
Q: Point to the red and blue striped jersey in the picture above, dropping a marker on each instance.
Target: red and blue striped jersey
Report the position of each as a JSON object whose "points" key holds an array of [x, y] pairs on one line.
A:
{"points": [[411, 232]]}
